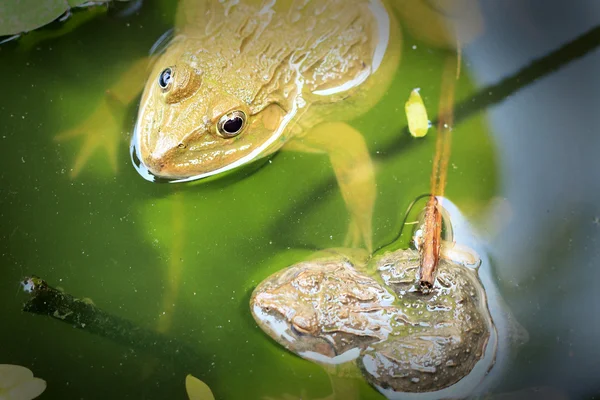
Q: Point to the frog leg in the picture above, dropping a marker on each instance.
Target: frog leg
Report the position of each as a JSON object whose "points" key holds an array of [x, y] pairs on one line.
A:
{"points": [[353, 169], [102, 130], [459, 254], [343, 388], [343, 381], [175, 268]]}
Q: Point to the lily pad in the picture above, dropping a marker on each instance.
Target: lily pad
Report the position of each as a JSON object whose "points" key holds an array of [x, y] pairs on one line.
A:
{"points": [[18, 16]]}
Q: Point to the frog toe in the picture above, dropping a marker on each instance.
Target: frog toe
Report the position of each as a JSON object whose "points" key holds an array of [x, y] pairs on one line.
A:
{"points": [[99, 132], [353, 235]]}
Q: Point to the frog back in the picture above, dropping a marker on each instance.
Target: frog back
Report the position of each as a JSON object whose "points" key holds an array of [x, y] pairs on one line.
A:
{"points": [[303, 55]]}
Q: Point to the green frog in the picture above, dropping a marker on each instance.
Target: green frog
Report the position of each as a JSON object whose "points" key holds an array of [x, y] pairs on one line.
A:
{"points": [[242, 79], [361, 315]]}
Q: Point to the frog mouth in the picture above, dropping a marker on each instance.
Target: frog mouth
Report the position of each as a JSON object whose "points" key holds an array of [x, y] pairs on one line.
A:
{"points": [[311, 347], [234, 154], [278, 328], [166, 167], [275, 324]]}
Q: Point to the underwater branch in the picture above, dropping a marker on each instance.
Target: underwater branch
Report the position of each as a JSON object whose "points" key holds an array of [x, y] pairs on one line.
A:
{"points": [[83, 314]]}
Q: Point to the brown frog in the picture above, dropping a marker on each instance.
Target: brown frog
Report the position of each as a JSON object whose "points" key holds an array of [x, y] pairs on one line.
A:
{"points": [[240, 80], [324, 310], [344, 307], [444, 332]]}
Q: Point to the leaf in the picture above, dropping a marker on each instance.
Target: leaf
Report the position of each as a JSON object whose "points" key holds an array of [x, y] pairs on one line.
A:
{"points": [[12, 375], [75, 3], [18, 383], [416, 115], [18, 16], [27, 390], [197, 390]]}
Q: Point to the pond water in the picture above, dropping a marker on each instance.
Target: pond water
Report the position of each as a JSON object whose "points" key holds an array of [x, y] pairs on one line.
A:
{"points": [[182, 259]]}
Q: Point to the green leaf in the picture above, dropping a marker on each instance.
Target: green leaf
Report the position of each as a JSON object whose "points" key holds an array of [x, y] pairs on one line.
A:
{"points": [[18, 16]]}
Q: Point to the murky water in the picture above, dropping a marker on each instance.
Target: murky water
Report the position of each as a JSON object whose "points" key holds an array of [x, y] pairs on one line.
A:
{"points": [[182, 259]]}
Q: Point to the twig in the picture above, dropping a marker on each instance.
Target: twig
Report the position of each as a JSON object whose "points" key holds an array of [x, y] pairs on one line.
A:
{"points": [[430, 244], [82, 314]]}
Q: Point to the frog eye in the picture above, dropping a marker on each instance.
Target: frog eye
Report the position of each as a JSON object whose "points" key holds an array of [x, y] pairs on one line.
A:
{"points": [[231, 124], [165, 79]]}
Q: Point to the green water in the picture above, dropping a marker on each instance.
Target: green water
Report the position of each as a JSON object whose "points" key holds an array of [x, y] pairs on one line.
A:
{"points": [[122, 241]]}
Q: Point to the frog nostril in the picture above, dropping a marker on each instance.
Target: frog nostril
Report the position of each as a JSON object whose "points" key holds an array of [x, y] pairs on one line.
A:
{"points": [[181, 146]]}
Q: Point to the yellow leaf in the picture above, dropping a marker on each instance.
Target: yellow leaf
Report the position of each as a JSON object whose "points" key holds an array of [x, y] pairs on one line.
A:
{"points": [[416, 114], [197, 390]]}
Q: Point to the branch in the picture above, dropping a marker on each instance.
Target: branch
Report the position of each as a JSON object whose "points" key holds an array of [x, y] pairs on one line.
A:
{"points": [[82, 314]]}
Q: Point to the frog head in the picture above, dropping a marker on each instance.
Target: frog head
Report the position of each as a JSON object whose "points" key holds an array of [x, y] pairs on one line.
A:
{"points": [[322, 310], [199, 116]]}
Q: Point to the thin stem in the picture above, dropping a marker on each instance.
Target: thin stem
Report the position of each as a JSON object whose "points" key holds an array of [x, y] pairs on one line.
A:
{"points": [[430, 246]]}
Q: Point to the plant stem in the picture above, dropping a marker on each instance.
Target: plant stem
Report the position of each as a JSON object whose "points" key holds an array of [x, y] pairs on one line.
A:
{"points": [[430, 245]]}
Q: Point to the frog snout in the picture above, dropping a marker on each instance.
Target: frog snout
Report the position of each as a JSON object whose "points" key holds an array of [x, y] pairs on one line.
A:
{"points": [[161, 164]]}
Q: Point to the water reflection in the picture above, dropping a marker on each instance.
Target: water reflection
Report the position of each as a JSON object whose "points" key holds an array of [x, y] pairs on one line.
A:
{"points": [[548, 253]]}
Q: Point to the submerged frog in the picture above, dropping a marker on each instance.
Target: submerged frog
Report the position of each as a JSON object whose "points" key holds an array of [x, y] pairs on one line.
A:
{"points": [[239, 80], [441, 335], [326, 311], [344, 307]]}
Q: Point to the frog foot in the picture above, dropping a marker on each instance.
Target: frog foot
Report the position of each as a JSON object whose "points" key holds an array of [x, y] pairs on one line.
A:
{"points": [[101, 131], [353, 235]]}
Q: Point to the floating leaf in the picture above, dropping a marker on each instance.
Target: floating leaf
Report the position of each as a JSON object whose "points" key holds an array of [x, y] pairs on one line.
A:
{"points": [[18, 383], [416, 114], [197, 390], [18, 16]]}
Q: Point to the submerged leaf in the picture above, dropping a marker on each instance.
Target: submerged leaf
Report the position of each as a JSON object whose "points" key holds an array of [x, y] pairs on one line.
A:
{"points": [[197, 390]]}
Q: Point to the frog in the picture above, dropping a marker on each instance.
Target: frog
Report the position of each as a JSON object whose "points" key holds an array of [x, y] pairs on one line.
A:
{"points": [[238, 81], [366, 316], [447, 330], [324, 310]]}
